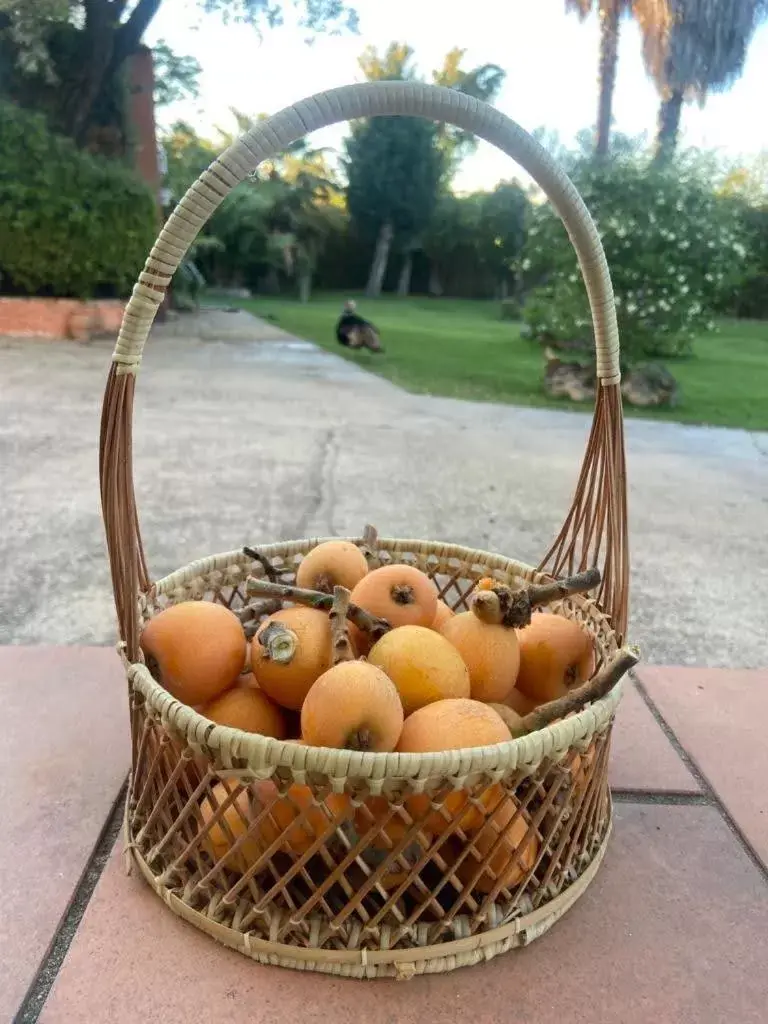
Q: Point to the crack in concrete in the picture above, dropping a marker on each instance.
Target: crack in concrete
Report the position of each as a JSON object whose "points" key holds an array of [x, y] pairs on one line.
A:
{"points": [[322, 493], [760, 450]]}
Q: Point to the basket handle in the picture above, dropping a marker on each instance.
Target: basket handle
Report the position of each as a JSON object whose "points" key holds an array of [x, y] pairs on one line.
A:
{"points": [[595, 530]]}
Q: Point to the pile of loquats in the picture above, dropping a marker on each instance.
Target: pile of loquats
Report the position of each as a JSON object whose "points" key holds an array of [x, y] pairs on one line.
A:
{"points": [[371, 659]]}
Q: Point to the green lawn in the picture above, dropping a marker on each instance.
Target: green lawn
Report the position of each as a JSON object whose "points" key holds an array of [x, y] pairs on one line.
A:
{"points": [[462, 349]]}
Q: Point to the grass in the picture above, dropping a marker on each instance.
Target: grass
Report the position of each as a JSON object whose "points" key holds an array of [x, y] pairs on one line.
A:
{"points": [[461, 349]]}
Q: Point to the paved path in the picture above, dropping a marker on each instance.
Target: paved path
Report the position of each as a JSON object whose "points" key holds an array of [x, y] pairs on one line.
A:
{"points": [[243, 435], [243, 439]]}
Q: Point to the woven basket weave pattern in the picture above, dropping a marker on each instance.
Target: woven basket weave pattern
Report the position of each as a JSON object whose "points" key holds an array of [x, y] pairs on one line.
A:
{"points": [[353, 889], [392, 892]]}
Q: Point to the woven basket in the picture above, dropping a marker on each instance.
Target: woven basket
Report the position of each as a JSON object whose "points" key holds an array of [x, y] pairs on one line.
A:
{"points": [[371, 891]]}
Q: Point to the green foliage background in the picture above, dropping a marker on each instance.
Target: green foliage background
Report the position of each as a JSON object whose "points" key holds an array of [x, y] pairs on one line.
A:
{"points": [[71, 224], [674, 248]]}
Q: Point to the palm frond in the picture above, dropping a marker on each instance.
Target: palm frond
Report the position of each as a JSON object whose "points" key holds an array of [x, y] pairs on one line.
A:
{"points": [[581, 7], [703, 44]]}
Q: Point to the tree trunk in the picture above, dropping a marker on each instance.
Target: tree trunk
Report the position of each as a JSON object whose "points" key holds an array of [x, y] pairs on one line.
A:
{"points": [[669, 126], [404, 281], [97, 43], [271, 282], [380, 261], [435, 286], [609, 57], [107, 44], [305, 286]]}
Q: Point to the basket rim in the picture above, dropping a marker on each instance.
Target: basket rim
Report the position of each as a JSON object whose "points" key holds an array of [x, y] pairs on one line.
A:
{"points": [[262, 754]]}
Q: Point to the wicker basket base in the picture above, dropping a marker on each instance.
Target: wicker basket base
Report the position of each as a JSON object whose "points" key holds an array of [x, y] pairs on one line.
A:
{"points": [[401, 964]]}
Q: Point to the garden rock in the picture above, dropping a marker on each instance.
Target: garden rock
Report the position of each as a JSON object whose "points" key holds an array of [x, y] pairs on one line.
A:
{"points": [[568, 380], [650, 385]]}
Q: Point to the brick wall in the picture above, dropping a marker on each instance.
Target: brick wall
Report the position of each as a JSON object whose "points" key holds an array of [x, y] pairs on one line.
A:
{"points": [[142, 80], [59, 318]]}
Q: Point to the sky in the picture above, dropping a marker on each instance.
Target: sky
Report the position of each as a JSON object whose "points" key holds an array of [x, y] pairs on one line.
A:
{"points": [[550, 58]]}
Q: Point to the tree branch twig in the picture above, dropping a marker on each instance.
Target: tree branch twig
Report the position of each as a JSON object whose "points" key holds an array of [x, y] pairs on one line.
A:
{"points": [[597, 687], [499, 604], [315, 599], [370, 545], [341, 648], [269, 569]]}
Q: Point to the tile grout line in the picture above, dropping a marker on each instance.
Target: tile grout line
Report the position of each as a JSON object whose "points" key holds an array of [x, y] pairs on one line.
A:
{"points": [[699, 776], [54, 956], [660, 796], [53, 959]]}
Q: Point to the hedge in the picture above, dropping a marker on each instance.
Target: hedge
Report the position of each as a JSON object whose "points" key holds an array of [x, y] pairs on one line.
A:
{"points": [[71, 224]]}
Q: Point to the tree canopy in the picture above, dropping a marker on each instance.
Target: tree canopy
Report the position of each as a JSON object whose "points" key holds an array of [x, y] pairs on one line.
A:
{"points": [[65, 57], [394, 169], [397, 167], [176, 76]]}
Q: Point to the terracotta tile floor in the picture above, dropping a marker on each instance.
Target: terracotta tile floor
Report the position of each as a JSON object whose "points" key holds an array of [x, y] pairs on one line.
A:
{"points": [[64, 756], [670, 931]]}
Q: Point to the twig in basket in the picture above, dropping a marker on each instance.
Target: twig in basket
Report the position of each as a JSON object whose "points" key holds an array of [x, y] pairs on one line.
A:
{"points": [[369, 545], [315, 599], [251, 616], [499, 604], [269, 570], [580, 583], [341, 648], [598, 686]]}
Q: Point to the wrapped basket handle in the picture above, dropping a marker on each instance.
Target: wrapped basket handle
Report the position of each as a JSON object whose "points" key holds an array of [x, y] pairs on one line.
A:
{"points": [[595, 530]]}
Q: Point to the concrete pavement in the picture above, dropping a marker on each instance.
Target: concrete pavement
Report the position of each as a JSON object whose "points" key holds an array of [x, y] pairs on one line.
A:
{"points": [[243, 439]]}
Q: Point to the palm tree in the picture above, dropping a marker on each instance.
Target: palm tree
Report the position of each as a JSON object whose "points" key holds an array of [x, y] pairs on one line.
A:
{"points": [[652, 16], [702, 49], [305, 210], [481, 83], [293, 203], [394, 65]]}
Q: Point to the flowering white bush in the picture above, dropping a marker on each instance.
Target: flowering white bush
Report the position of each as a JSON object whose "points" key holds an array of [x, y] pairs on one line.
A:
{"points": [[672, 246]]}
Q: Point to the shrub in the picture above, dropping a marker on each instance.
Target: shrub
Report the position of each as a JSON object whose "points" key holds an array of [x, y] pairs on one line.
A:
{"points": [[70, 223], [751, 297], [673, 248], [474, 242]]}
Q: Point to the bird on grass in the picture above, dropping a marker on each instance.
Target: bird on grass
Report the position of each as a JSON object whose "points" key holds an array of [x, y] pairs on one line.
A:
{"points": [[353, 331]]}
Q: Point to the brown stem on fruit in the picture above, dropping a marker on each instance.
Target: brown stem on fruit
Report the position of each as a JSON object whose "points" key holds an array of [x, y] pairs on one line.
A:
{"points": [[279, 642], [603, 681], [269, 570], [402, 594], [361, 739], [370, 545], [498, 604], [341, 648], [314, 599]]}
